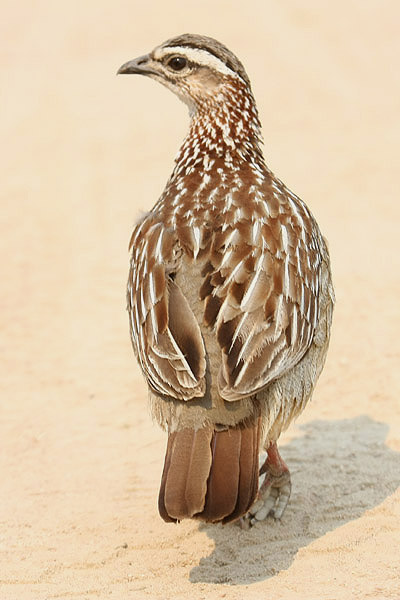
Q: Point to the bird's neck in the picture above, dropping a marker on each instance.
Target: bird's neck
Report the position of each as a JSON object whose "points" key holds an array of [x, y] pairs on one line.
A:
{"points": [[228, 128]]}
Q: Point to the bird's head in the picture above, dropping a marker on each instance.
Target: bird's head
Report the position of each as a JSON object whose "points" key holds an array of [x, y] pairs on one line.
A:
{"points": [[198, 69], [212, 81]]}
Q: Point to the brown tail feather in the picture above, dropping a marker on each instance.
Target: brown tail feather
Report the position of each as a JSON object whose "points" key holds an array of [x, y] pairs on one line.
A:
{"points": [[210, 475], [161, 503], [186, 469], [248, 472], [222, 485]]}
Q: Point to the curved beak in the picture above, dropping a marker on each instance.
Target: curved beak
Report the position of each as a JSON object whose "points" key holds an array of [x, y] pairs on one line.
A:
{"points": [[138, 66]]}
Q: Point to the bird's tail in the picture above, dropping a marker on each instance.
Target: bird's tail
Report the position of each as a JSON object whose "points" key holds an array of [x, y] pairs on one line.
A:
{"points": [[210, 475]]}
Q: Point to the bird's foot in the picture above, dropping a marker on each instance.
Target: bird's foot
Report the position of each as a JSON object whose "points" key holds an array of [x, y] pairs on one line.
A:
{"points": [[274, 493]]}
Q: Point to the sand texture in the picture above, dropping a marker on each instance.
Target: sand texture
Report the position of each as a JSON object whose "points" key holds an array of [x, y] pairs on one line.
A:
{"points": [[82, 154]]}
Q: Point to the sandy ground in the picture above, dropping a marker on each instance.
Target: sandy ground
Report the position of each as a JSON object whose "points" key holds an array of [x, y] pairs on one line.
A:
{"points": [[82, 153]]}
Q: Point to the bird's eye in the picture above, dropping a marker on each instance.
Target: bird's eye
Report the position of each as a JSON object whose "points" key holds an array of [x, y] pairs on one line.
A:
{"points": [[177, 63]]}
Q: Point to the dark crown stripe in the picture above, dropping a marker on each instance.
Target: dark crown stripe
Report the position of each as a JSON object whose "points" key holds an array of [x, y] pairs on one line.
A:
{"points": [[214, 48], [195, 46]]}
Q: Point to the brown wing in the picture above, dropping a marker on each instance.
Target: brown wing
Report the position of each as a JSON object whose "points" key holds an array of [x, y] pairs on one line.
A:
{"points": [[261, 291], [165, 334]]}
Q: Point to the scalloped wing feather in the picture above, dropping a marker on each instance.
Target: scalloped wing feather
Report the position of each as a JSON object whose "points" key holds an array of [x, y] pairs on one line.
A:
{"points": [[165, 334], [261, 293]]}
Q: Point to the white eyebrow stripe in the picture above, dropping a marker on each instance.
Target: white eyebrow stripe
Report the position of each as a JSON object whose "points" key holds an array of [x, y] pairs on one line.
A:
{"points": [[201, 57]]}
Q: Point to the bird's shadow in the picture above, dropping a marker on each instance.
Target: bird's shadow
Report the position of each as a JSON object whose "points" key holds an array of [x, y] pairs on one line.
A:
{"points": [[339, 470]]}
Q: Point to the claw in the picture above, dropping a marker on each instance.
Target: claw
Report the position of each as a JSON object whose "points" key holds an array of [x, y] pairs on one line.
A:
{"points": [[274, 492]]}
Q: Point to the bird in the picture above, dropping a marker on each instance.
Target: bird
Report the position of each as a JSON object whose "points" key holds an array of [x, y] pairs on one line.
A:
{"points": [[229, 296]]}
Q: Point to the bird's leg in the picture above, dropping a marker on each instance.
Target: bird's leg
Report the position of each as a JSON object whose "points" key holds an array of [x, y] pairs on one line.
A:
{"points": [[274, 492]]}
